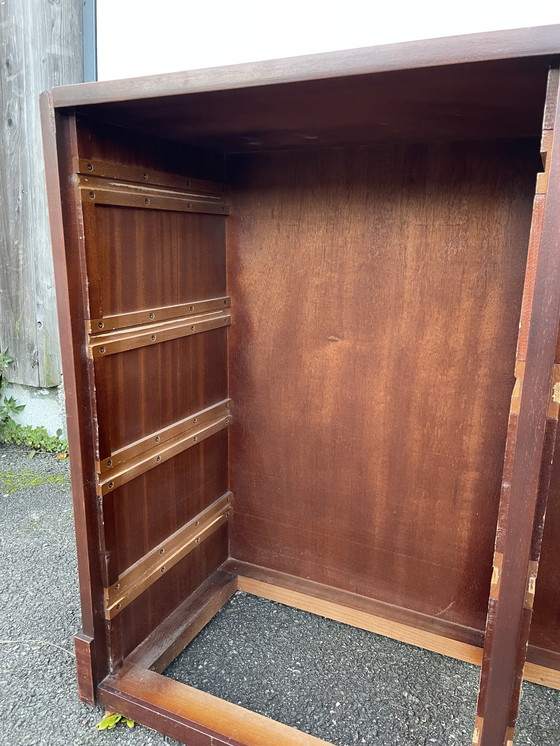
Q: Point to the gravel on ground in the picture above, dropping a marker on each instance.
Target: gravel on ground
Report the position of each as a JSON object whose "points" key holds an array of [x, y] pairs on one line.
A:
{"points": [[339, 683]]}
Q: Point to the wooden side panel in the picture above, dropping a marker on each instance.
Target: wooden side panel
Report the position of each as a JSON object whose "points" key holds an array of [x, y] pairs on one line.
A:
{"points": [[378, 293], [60, 146], [144, 514], [527, 467], [119, 260], [148, 611], [149, 258], [144, 390]]}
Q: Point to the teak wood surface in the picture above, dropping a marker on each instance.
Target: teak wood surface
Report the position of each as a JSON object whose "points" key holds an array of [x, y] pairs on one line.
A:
{"points": [[375, 291]]}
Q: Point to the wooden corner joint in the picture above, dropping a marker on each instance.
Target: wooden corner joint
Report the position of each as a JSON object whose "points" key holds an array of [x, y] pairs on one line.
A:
{"points": [[496, 575], [531, 585]]}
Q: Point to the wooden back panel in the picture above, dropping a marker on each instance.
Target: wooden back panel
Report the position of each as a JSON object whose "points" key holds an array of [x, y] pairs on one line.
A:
{"points": [[378, 293]]}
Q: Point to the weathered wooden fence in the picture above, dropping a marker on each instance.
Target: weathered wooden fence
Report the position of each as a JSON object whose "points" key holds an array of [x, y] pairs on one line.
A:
{"points": [[40, 46]]}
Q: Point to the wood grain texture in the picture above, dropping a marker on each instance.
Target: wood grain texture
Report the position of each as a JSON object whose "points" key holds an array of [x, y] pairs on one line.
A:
{"points": [[527, 470], [147, 258], [41, 47], [429, 53], [178, 710], [403, 105], [165, 643], [383, 619], [60, 146], [376, 396], [83, 647], [154, 387], [148, 611], [150, 568]]}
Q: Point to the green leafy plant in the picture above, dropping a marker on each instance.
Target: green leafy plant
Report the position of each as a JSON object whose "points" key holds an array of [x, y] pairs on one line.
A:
{"points": [[8, 405], [36, 438], [111, 719]]}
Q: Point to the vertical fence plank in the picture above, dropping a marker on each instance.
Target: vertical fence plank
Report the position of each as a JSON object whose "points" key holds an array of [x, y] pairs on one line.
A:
{"points": [[40, 46]]}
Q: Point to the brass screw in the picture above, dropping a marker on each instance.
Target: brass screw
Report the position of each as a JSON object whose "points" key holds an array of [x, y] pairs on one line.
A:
{"points": [[193, 328], [147, 201], [109, 463], [153, 337], [157, 439], [101, 350], [195, 421], [110, 485], [100, 325], [117, 586], [90, 166], [92, 194], [158, 458], [152, 315], [161, 551]]}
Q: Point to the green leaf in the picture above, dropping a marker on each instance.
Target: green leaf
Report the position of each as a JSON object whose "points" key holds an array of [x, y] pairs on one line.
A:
{"points": [[109, 721], [129, 722]]}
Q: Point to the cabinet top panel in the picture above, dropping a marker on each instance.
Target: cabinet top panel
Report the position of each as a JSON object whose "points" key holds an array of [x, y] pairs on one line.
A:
{"points": [[488, 85]]}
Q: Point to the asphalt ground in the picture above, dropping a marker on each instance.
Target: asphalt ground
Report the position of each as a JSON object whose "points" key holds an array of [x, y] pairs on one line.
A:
{"points": [[344, 685]]}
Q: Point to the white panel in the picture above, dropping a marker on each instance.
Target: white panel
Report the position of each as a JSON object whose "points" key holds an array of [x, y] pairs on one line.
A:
{"points": [[140, 37]]}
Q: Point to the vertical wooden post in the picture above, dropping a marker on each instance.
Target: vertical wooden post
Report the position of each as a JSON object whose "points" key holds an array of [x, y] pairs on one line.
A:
{"points": [[41, 46], [530, 444]]}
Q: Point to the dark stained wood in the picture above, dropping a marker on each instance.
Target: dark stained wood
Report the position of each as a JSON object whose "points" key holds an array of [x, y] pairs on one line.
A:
{"points": [[351, 603], [60, 146], [149, 610], [375, 397], [413, 105], [165, 643], [380, 91], [193, 716], [128, 148], [148, 258], [524, 487], [83, 645], [376, 296], [156, 376], [149, 568], [142, 513]]}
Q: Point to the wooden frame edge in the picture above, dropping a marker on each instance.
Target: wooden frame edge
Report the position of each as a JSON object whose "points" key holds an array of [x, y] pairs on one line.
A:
{"points": [[538, 41], [347, 614], [182, 712], [140, 691]]}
